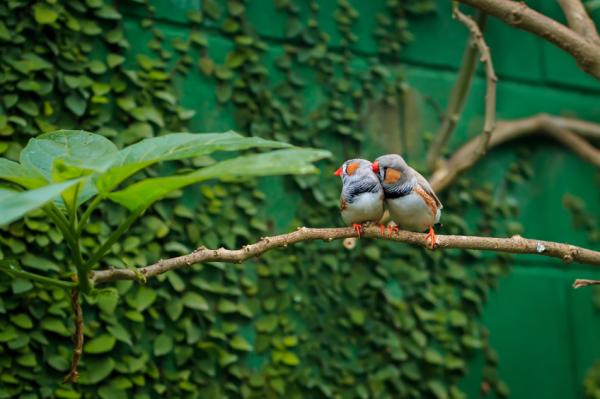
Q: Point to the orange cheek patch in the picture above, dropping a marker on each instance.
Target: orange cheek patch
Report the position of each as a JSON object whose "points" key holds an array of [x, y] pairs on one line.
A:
{"points": [[350, 169], [392, 176]]}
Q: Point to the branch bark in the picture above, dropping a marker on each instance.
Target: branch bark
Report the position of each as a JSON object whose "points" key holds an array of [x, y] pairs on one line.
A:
{"points": [[516, 245], [561, 129], [73, 374], [579, 20], [581, 282], [586, 52], [491, 79]]}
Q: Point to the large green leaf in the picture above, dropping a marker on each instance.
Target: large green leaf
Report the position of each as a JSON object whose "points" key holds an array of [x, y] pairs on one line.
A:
{"points": [[15, 204], [290, 161], [75, 148], [175, 146], [67, 154], [16, 173]]}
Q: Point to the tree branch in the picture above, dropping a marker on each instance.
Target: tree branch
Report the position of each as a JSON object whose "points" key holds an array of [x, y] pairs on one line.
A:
{"points": [[559, 128], [579, 20], [457, 98], [73, 374], [491, 78], [516, 244], [519, 15], [581, 282]]}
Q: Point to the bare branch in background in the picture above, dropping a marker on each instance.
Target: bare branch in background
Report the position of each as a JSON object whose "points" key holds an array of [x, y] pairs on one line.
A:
{"points": [[580, 282], [561, 129], [457, 100], [491, 78], [516, 245], [516, 13], [579, 20]]}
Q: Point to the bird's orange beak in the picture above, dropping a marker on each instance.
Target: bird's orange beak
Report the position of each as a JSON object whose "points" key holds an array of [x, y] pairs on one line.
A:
{"points": [[338, 172], [375, 166]]}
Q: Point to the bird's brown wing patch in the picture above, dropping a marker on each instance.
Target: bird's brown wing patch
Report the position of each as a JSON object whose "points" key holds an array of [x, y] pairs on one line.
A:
{"points": [[351, 168], [392, 176], [427, 187], [343, 204], [429, 200]]}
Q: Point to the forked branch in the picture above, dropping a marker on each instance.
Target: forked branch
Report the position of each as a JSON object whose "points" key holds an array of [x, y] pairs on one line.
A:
{"points": [[457, 99], [491, 78], [569, 132], [516, 13], [579, 20]]}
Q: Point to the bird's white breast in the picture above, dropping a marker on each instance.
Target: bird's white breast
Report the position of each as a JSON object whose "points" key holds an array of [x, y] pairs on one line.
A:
{"points": [[366, 207], [410, 212]]}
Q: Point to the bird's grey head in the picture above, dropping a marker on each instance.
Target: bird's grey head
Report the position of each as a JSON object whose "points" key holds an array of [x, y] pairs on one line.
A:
{"points": [[392, 169], [354, 169]]}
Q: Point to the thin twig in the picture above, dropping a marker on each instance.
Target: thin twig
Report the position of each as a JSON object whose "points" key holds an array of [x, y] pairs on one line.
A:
{"points": [[579, 20], [558, 128], [457, 100], [517, 245], [581, 282], [490, 74], [77, 338], [519, 15]]}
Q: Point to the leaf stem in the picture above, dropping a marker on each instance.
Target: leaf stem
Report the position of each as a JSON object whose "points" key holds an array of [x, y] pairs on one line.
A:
{"points": [[13, 271], [73, 242], [88, 212], [73, 208], [112, 239]]}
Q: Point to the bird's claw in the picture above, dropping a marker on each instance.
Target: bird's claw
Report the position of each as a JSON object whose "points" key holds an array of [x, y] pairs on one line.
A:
{"points": [[393, 229], [357, 228], [431, 237]]}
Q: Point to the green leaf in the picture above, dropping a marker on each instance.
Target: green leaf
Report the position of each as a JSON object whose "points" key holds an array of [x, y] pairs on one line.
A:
{"points": [[357, 316], [120, 333], [76, 104], [15, 205], [44, 14], [107, 300], [16, 173], [175, 146], [434, 357], [226, 306], [96, 370], [163, 345], [289, 358], [140, 195], [22, 320], [55, 325], [114, 60], [438, 389], [143, 299], [102, 344], [195, 301], [76, 148], [240, 343]]}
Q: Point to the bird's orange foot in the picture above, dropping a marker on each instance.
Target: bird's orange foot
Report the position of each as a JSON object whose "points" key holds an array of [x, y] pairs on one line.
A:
{"points": [[358, 228], [393, 229], [382, 229], [431, 237]]}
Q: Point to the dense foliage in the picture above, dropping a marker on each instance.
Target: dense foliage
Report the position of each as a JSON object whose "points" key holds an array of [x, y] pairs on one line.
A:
{"points": [[382, 320]]}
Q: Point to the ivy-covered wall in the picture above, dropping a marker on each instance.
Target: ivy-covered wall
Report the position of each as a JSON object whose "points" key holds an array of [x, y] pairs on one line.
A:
{"points": [[316, 320]]}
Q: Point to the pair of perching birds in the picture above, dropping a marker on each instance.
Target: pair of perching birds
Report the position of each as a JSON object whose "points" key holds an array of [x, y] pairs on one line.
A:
{"points": [[410, 200]]}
